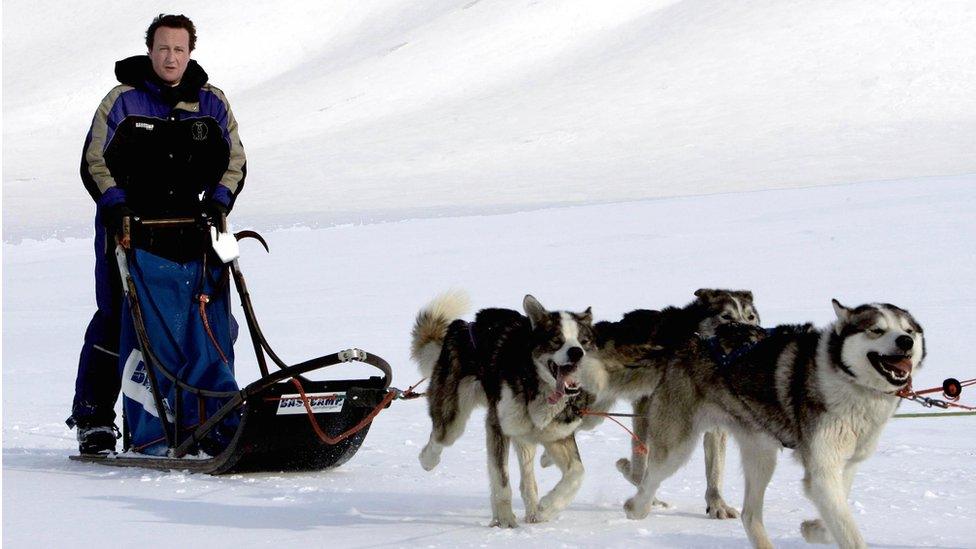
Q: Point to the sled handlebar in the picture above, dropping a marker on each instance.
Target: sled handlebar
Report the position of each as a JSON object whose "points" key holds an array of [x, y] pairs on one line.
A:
{"points": [[171, 222], [125, 239]]}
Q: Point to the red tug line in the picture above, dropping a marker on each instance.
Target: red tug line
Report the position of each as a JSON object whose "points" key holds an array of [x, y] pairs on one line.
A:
{"points": [[951, 389]]}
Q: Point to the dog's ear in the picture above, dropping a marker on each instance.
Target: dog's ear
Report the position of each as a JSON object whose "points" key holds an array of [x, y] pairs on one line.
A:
{"points": [[705, 294], [534, 310], [843, 315], [586, 316]]}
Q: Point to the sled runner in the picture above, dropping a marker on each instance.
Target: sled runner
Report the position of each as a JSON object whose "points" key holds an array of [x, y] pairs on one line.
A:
{"points": [[182, 408]]}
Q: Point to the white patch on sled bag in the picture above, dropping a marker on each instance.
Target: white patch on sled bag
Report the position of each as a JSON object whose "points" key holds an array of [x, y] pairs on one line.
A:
{"points": [[135, 385]]}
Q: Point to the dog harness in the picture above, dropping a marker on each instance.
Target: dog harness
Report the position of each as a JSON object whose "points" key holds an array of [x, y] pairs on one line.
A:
{"points": [[724, 360]]}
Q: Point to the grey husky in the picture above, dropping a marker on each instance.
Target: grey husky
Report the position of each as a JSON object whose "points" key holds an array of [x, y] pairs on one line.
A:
{"points": [[634, 352], [826, 393], [528, 371]]}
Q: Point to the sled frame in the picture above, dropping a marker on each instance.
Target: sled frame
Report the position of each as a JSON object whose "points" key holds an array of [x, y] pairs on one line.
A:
{"points": [[364, 394]]}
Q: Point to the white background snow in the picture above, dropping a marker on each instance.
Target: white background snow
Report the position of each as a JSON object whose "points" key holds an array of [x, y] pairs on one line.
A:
{"points": [[618, 155]]}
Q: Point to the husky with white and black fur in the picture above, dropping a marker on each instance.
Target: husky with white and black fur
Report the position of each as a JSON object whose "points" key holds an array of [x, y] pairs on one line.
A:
{"points": [[528, 371], [636, 350], [827, 394]]}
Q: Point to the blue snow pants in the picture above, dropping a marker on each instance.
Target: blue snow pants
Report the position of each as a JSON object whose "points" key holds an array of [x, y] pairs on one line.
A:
{"points": [[98, 382]]}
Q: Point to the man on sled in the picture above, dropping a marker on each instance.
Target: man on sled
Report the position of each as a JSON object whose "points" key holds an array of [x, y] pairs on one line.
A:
{"points": [[163, 144]]}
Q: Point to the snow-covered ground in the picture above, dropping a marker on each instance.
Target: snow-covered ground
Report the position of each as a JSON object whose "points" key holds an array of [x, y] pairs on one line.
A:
{"points": [[359, 285], [617, 156]]}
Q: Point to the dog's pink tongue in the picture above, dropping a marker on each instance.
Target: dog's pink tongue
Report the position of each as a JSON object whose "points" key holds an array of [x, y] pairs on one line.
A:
{"points": [[904, 365], [560, 391]]}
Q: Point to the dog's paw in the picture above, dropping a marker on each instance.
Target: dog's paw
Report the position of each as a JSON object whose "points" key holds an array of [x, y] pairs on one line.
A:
{"points": [[507, 520], [718, 509], [546, 511], [546, 460], [814, 531], [635, 509], [623, 465], [658, 504], [543, 514], [429, 458], [531, 512]]}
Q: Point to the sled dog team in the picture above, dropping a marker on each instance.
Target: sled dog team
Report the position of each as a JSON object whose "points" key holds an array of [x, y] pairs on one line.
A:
{"points": [[706, 368]]}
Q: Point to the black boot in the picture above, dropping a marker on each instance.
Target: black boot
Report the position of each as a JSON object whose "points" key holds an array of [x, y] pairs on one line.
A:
{"points": [[96, 439]]}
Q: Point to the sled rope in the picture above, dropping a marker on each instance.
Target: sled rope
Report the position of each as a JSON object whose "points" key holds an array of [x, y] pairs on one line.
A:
{"points": [[951, 389], [409, 394], [204, 299], [353, 430], [614, 414], [640, 447]]}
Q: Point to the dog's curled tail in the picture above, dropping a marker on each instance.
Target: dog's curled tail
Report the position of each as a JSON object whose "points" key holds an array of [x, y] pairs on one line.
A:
{"points": [[430, 328]]}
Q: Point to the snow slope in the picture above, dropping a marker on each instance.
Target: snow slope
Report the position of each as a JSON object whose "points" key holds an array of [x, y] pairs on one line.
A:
{"points": [[617, 155], [387, 110]]}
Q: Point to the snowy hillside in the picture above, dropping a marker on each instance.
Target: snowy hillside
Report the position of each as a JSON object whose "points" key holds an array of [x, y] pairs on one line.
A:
{"points": [[615, 155], [386, 110]]}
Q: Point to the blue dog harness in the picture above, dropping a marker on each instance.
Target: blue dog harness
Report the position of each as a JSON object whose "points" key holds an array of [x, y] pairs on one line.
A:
{"points": [[725, 360]]}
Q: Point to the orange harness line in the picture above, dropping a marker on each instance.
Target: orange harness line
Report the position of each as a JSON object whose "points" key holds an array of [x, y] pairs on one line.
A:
{"points": [[908, 393], [353, 430], [204, 299], [640, 447], [409, 394]]}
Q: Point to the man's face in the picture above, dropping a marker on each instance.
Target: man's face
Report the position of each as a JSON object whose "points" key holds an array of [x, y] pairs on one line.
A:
{"points": [[170, 53]]}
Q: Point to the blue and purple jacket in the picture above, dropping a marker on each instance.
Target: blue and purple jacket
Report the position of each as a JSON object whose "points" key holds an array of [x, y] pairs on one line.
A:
{"points": [[160, 148]]}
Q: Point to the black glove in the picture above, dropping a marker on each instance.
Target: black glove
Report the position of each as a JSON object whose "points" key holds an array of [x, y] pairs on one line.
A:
{"points": [[112, 219], [215, 210]]}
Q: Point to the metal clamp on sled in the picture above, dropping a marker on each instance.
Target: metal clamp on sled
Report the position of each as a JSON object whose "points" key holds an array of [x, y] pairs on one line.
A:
{"points": [[366, 397], [349, 355]]}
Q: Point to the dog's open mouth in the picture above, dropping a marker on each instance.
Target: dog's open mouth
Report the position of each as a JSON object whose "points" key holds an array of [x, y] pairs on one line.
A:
{"points": [[566, 382], [896, 369]]}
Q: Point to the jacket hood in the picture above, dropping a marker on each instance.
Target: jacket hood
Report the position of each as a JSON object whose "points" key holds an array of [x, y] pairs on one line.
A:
{"points": [[137, 71]]}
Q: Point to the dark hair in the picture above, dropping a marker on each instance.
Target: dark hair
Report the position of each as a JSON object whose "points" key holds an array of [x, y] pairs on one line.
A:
{"points": [[171, 22]]}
